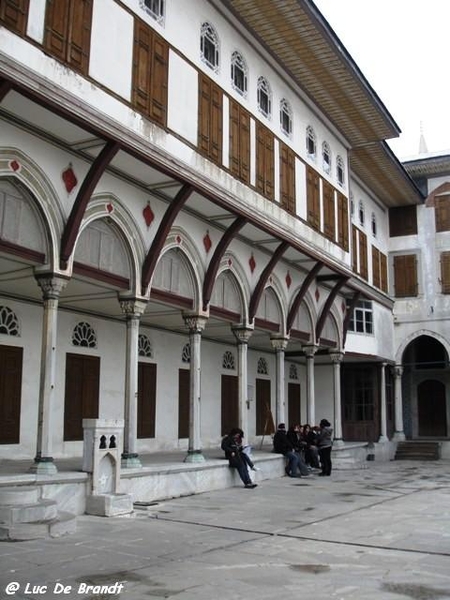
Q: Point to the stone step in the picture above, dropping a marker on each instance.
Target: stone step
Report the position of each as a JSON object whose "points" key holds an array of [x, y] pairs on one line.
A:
{"points": [[412, 450], [19, 495], [44, 510], [63, 524]]}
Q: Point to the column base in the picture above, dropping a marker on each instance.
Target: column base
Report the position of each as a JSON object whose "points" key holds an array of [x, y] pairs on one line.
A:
{"points": [[382, 439], [399, 436], [338, 442], [194, 456], [43, 465], [130, 461]]}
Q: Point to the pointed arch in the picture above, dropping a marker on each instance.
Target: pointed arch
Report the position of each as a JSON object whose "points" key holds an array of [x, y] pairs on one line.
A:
{"points": [[416, 334]]}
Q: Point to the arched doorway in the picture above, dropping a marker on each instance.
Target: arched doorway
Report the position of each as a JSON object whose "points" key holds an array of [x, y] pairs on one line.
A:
{"points": [[425, 383]]}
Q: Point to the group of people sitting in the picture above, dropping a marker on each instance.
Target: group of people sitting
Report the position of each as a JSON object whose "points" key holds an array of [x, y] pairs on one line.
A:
{"points": [[306, 449]]}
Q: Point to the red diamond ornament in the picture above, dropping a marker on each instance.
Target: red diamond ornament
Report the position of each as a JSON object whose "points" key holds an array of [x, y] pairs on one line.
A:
{"points": [[148, 215], [69, 178]]}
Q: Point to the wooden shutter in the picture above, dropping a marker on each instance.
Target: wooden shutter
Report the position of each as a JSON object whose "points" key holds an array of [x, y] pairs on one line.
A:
{"points": [[402, 221], [363, 264], [383, 272], [442, 213], [445, 272], [210, 119], [287, 178], [313, 198], [184, 378], [229, 403], [376, 280], [81, 393], [405, 275], [11, 359], [14, 14], [239, 142], [329, 211], [150, 73], [343, 221], [265, 167], [354, 249], [146, 409], [68, 32], [263, 407]]}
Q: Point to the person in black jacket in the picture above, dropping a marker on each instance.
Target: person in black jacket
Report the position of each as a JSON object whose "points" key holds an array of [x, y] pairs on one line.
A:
{"points": [[282, 445], [234, 451], [325, 443], [294, 435]]}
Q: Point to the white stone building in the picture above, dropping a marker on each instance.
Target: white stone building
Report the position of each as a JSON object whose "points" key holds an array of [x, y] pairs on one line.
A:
{"points": [[194, 228]]}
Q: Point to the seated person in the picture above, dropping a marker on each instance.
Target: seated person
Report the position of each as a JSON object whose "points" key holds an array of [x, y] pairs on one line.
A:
{"points": [[294, 435], [310, 437], [237, 458], [282, 445]]}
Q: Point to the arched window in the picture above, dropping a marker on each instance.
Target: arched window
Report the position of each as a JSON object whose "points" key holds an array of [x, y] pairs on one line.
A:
{"points": [[264, 97], [144, 346], [228, 361], [262, 369], [9, 324], [326, 157], [155, 8], [361, 213], [310, 142], [239, 73], [293, 371], [340, 170], [285, 117], [83, 335], [186, 353], [374, 225], [209, 46]]}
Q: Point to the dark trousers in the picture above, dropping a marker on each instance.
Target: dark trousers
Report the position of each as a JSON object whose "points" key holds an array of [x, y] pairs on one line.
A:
{"points": [[241, 467], [325, 460]]}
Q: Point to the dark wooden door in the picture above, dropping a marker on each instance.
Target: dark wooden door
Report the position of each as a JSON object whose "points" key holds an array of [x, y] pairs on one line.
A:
{"points": [[294, 403], [146, 400], [230, 403], [81, 393], [264, 418], [431, 405], [184, 383], [10, 393]]}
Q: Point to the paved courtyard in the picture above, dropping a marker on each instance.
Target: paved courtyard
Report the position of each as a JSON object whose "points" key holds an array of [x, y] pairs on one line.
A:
{"points": [[382, 532]]}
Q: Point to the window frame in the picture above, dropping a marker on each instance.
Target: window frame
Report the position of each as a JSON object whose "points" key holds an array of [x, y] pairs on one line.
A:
{"points": [[361, 320], [264, 92], [340, 171], [311, 143], [158, 14], [326, 157], [238, 63], [286, 115], [209, 42]]}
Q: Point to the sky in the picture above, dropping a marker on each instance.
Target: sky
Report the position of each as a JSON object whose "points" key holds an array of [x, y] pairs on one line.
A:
{"points": [[402, 48]]}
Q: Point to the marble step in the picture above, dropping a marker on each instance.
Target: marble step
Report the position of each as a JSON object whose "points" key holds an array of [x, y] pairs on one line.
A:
{"points": [[44, 510], [19, 495], [63, 524]]}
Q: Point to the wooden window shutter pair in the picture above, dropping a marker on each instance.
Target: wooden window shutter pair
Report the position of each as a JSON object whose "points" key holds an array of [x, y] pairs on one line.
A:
{"points": [[287, 178], [313, 198], [376, 274], [265, 168], [363, 263], [342, 221], [68, 32], [239, 142], [405, 275], [329, 211], [150, 73], [14, 14], [402, 221], [210, 119], [442, 212], [445, 272]]}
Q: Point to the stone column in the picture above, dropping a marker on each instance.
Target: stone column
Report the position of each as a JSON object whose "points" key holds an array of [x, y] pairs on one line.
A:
{"points": [[383, 420], [51, 287], [310, 393], [399, 435], [279, 344], [336, 359], [196, 324], [242, 335], [133, 310]]}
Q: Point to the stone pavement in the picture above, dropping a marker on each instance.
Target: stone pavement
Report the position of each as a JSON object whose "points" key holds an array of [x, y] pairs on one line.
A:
{"points": [[382, 532]]}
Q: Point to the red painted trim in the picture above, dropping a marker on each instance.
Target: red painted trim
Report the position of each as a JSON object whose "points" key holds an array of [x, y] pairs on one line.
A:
{"points": [[84, 195], [269, 325], [100, 275], [299, 335], [161, 235], [213, 266], [259, 288], [170, 298], [20, 251], [5, 87], [223, 313]]}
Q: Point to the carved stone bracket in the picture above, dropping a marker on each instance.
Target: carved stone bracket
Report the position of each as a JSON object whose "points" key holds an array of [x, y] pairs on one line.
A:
{"points": [[242, 334], [398, 370], [195, 322], [310, 351], [132, 307], [51, 285], [279, 343], [336, 357]]}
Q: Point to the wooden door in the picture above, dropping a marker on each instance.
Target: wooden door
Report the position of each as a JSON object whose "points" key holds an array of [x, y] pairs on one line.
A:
{"points": [[230, 403], [431, 407], [146, 409], [184, 383], [10, 393], [294, 415], [81, 393], [264, 418]]}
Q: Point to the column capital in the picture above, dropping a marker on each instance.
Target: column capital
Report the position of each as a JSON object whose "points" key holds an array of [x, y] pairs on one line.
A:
{"points": [[132, 307], [310, 350], [195, 322], [51, 285], [398, 370], [279, 342], [242, 333], [336, 357]]}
